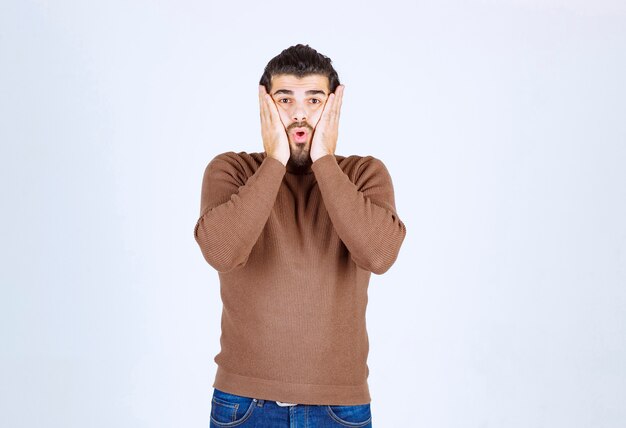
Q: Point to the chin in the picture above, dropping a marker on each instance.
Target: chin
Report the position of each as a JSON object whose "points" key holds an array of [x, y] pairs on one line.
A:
{"points": [[298, 146]]}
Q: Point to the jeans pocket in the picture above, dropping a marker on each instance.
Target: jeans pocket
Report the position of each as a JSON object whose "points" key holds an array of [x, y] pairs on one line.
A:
{"points": [[229, 410], [351, 416]]}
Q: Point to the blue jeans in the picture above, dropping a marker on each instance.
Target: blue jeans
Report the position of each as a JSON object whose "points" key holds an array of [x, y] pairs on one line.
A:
{"points": [[230, 410]]}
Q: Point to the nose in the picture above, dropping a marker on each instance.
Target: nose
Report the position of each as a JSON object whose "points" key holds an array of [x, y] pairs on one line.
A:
{"points": [[298, 114]]}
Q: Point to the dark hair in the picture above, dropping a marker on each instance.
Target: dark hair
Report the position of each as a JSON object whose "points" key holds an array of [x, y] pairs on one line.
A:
{"points": [[300, 60]]}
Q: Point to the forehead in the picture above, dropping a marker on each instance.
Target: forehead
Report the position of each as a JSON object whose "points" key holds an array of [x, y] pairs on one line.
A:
{"points": [[300, 84]]}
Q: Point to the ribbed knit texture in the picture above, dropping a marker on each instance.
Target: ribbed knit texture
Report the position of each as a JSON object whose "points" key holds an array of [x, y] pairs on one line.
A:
{"points": [[294, 251]]}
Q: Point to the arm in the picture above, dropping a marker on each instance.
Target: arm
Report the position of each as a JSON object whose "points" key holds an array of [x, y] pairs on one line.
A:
{"points": [[233, 211], [363, 214], [233, 208]]}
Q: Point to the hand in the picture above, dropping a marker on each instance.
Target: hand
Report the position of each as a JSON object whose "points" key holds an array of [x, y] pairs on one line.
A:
{"points": [[327, 130], [275, 140]]}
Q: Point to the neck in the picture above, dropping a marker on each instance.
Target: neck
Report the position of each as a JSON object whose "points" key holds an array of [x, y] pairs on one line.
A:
{"points": [[298, 168]]}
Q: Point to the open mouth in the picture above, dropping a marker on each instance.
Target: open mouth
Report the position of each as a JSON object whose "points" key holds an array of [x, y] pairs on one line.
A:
{"points": [[300, 136]]}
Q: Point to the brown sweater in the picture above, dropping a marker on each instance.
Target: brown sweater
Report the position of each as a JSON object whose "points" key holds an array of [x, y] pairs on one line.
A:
{"points": [[294, 251]]}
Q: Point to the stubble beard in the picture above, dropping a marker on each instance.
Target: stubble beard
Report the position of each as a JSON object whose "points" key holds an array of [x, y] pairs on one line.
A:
{"points": [[300, 156]]}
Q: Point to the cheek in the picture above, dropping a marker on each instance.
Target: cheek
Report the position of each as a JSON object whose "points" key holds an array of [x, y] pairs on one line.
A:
{"points": [[284, 117], [315, 117]]}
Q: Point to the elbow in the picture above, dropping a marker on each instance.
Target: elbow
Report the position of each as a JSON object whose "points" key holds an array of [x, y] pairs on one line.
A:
{"points": [[222, 264], [374, 264], [378, 260], [381, 265], [379, 270], [221, 260], [219, 255], [384, 256]]}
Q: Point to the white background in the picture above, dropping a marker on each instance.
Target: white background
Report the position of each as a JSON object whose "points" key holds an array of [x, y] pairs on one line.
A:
{"points": [[503, 125]]}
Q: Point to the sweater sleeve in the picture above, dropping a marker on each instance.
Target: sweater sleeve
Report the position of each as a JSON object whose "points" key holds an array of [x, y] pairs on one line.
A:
{"points": [[363, 214], [234, 209]]}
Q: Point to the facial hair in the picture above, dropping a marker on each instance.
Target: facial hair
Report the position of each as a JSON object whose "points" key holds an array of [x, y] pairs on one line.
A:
{"points": [[300, 157]]}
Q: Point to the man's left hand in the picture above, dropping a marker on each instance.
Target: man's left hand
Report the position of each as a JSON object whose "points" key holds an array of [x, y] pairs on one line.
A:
{"points": [[327, 130]]}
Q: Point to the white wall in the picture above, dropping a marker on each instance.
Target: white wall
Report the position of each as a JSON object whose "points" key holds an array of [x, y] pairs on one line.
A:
{"points": [[502, 125]]}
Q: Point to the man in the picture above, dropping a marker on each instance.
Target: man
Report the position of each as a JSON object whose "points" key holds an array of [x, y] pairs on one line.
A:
{"points": [[295, 233]]}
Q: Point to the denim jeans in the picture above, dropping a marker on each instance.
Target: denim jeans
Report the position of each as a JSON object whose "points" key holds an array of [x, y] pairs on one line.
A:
{"points": [[230, 410]]}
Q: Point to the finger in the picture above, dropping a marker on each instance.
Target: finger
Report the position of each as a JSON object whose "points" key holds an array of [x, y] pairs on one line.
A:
{"points": [[267, 97], [269, 108], [328, 108], [339, 100], [266, 106], [273, 110], [263, 104]]}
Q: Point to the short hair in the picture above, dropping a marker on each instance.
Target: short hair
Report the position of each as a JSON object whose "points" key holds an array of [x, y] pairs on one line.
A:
{"points": [[300, 60]]}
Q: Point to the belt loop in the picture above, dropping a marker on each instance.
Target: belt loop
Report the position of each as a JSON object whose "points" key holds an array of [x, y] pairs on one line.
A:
{"points": [[259, 402]]}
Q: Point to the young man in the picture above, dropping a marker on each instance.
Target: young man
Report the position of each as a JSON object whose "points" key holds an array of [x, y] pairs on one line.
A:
{"points": [[295, 233]]}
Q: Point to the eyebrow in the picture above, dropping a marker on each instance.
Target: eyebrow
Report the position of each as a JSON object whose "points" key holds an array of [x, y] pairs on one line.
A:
{"points": [[309, 92]]}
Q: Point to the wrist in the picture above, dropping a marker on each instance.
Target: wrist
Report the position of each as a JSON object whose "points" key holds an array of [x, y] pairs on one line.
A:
{"points": [[319, 156], [284, 162]]}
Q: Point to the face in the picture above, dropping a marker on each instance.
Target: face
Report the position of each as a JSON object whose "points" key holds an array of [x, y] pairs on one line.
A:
{"points": [[300, 102]]}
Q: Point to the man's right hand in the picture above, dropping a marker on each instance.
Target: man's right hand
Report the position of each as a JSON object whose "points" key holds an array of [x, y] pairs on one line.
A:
{"points": [[275, 140]]}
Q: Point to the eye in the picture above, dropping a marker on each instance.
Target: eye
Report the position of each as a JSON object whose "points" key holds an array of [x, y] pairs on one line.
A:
{"points": [[286, 100], [315, 101]]}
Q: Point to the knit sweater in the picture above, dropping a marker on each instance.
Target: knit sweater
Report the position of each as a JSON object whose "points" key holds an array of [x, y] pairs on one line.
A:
{"points": [[294, 251]]}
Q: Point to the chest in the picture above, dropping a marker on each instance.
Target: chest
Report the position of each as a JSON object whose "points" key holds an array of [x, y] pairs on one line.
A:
{"points": [[299, 217]]}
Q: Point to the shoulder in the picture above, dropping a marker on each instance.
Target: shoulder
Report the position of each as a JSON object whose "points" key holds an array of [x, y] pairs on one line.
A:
{"points": [[241, 163], [361, 167]]}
